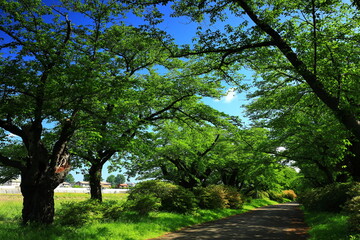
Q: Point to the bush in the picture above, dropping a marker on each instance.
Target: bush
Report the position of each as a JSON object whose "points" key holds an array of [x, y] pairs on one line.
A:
{"points": [[179, 200], [289, 194], [172, 198], [234, 197], [218, 197], [89, 211], [329, 198], [257, 194], [143, 204], [353, 208], [276, 196]]}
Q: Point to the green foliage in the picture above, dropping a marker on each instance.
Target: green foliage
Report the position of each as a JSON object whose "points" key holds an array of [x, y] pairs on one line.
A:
{"points": [[69, 178], [143, 203], [116, 180], [218, 197], [353, 208], [276, 196], [173, 198], [212, 197], [87, 212], [234, 197], [258, 194], [180, 200], [329, 198]]}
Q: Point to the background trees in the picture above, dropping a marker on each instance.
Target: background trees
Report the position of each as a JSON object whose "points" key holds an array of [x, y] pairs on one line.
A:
{"points": [[116, 180]]}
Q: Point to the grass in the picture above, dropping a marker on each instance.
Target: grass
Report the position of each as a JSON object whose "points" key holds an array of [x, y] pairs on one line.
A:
{"points": [[128, 228], [328, 226]]}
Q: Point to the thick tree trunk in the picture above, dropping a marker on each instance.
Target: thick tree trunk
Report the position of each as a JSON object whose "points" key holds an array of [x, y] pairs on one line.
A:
{"points": [[95, 181], [38, 203], [37, 188]]}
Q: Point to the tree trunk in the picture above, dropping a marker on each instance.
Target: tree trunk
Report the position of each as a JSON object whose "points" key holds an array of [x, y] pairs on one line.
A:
{"points": [[37, 188], [354, 159], [95, 181], [38, 203]]}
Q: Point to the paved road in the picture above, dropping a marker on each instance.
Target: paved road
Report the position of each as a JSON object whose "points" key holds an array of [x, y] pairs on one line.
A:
{"points": [[276, 222]]}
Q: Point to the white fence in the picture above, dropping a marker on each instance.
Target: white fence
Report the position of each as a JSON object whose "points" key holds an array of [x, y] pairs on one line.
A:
{"points": [[13, 189]]}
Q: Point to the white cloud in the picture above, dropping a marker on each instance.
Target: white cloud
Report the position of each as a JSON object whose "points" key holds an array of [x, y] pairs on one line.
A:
{"points": [[230, 95]]}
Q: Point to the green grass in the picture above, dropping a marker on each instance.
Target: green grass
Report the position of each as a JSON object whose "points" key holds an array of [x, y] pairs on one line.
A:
{"points": [[328, 226], [130, 227]]}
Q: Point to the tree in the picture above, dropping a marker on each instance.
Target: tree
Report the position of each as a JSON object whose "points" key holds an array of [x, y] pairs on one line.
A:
{"points": [[119, 179], [311, 135], [47, 78], [69, 178], [111, 179]]}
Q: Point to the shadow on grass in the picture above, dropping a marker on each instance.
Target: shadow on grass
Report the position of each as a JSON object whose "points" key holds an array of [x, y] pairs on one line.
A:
{"points": [[327, 226], [13, 230]]}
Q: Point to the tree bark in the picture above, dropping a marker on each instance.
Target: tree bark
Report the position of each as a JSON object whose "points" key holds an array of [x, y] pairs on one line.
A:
{"points": [[95, 181], [38, 203], [37, 187]]}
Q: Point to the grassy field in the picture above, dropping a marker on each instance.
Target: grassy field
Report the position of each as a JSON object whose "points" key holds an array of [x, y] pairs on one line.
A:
{"points": [[328, 226], [125, 229]]}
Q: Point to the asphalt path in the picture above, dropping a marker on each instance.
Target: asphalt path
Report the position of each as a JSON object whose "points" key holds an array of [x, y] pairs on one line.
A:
{"points": [[275, 222]]}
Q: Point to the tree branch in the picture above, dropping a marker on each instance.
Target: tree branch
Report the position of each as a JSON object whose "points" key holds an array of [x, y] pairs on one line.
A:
{"points": [[8, 162], [10, 127], [227, 51], [346, 117], [211, 146], [154, 115]]}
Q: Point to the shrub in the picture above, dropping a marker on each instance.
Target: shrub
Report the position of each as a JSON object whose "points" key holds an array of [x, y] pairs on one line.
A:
{"points": [[143, 204], [276, 196], [289, 194], [179, 200], [329, 198], [218, 197], [353, 208], [258, 194], [112, 210], [234, 197], [86, 212], [172, 198]]}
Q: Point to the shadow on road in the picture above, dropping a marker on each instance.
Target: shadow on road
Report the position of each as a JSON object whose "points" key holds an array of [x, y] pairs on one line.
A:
{"points": [[280, 222]]}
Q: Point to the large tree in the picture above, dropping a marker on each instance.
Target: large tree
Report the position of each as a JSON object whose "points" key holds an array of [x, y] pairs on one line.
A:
{"points": [[51, 70]]}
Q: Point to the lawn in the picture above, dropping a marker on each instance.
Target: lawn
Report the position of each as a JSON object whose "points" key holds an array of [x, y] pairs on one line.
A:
{"points": [[328, 226], [129, 228]]}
